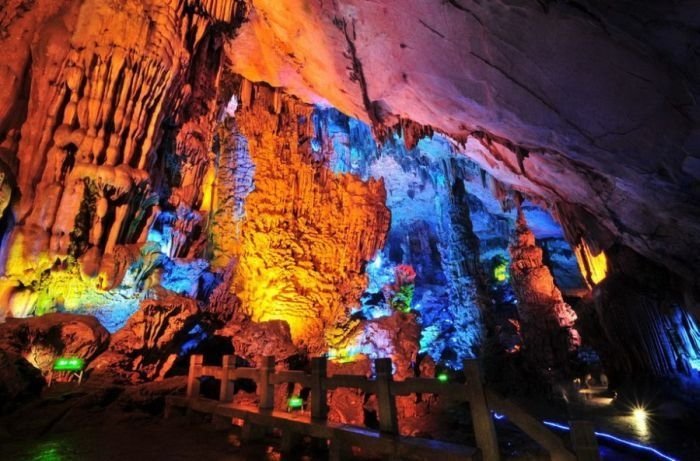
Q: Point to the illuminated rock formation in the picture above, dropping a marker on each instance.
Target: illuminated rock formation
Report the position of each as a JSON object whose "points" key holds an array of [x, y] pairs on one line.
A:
{"points": [[253, 340], [642, 331], [547, 321], [114, 145], [147, 346], [30, 347], [307, 232], [41, 340]]}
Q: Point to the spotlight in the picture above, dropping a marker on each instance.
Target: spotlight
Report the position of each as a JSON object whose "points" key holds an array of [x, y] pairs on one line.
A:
{"points": [[442, 377], [640, 413]]}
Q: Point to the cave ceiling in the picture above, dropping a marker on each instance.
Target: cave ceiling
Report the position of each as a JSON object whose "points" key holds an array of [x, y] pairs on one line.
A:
{"points": [[588, 106]]}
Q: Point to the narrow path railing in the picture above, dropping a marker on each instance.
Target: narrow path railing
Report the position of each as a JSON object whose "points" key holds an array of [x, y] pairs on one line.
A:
{"points": [[481, 401]]}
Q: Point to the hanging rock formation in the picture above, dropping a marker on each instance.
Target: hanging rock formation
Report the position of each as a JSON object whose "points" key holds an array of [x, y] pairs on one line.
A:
{"points": [[91, 170], [547, 321], [307, 231]]}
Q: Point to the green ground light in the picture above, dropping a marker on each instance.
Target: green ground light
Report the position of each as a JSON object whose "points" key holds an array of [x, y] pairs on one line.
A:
{"points": [[68, 364], [295, 402], [442, 377]]}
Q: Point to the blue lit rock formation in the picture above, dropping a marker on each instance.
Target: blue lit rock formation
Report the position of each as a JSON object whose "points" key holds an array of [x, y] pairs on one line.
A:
{"points": [[430, 231], [450, 219]]}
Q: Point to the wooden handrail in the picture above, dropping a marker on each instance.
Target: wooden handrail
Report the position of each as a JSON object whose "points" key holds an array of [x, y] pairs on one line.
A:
{"points": [[531, 426], [481, 401]]}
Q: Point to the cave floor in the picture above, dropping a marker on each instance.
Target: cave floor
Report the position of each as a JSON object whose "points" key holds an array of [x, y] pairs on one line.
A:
{"points": [[147, 439], [96, 423]]}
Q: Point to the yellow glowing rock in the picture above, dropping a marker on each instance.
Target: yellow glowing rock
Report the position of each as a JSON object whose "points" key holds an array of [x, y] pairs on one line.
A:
{"points": [[593, 267], [306, 231]]}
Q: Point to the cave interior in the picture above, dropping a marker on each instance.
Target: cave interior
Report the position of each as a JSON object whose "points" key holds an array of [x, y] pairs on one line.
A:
{"points": [[514, 184]]}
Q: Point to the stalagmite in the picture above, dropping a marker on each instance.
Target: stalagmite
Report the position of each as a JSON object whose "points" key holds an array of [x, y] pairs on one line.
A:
{"points": [[547, 321]]}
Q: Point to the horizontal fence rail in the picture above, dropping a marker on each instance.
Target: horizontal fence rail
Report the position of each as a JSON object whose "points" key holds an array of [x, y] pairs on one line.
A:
{"points": [[481, 401]]}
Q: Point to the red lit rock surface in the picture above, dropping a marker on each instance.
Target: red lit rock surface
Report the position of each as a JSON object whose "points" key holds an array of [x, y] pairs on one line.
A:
{"points": [[547, 322]]}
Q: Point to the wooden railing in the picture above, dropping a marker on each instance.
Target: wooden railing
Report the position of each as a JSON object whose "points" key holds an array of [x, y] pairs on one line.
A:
{"points": [[481, 401]]}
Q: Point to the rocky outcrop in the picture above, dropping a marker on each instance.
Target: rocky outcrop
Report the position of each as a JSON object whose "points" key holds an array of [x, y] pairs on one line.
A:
{"points": [[116, 130], [19, 380], [547, 322], [30, 347], [147, 346], [41, 340], [642, 331], [253, 340]]}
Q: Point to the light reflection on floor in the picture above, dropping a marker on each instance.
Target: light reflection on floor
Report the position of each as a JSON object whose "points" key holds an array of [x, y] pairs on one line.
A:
{"points": [[51, 451]]}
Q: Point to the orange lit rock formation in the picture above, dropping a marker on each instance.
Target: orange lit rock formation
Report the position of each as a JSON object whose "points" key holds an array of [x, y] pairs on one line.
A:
{"points": [[89, 146], [307, 232], [547, 321]]}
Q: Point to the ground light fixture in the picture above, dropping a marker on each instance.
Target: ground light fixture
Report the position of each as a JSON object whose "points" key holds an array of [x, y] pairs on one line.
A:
{"points": [[295, 403]]}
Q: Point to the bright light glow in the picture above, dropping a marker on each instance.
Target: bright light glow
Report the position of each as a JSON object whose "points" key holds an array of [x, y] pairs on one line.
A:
{"points": [[695, 364], [343, 355], [640, 414], [500, 272], [295, 402], [443, 378], [377, 263], [640, 422], [616, 439], [69, 364]]}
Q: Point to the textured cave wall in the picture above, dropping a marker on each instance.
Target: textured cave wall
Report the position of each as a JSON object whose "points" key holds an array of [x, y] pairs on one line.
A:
{"points": [[587, 105], [109, 132], [430, 232], [637, 322], [307, 232]]}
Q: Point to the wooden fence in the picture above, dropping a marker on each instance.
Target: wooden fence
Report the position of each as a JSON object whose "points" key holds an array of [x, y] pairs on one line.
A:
{"points": [[482, 403]]}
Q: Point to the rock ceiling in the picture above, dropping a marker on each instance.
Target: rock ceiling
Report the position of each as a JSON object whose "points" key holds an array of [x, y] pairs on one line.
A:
{"points": [[586, 105]]}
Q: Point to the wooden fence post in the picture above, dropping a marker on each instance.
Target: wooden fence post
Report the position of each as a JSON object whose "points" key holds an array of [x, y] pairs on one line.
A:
{"points": [[267, 389], [584, 441], [226, 392], [484, 429], [319, 404], [388, 421], [196, 362]]}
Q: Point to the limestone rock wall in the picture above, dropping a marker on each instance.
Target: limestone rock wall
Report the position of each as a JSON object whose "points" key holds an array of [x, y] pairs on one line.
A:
{"points": [[113, 109], [307, 232], [581, 103]]}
